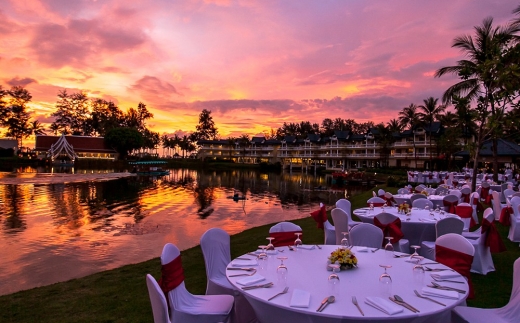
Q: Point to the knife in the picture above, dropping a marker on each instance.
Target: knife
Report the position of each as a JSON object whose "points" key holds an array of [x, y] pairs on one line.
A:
{"points": [[448, 288], [238, 268], [403, 304], [322, 303]]}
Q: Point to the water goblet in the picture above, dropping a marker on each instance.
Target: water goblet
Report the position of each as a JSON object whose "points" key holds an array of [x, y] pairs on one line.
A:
{"points": [[344, 241], [418, 273], [437, 210], [427, 207], [262, 258], [281, 272], [371, 206], [270, 245], [389, 248], [415, 254], [298, 241], [333, 279], [385, 282]]}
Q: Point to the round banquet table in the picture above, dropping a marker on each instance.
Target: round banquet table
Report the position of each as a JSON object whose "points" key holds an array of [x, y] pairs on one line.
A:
{"points": [[417, 228], [437, 200], [307, 272]]}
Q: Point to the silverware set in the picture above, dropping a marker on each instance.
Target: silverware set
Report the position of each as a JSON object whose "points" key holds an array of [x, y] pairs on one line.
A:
{"points": [[399, 301], [428, 298], [435, 285], [326, 301], [257, 286]]}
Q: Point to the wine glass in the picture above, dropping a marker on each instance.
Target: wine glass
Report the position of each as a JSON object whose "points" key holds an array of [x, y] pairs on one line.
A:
{"points": [[415, 254], [418, 273], [437, 210], [385, 282], [298, 241], [427, 207], [281, 272], [371, 206], [389, 248], [344, 241], [262, 258], [334, 279], [270, 245]]}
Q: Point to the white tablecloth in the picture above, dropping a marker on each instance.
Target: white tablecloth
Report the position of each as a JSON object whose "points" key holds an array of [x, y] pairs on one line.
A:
{"points": [[418, 228], [307, 272], [436, 199]]}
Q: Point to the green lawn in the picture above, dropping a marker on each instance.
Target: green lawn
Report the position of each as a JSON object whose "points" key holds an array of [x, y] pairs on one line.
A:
{"points": [[120, 295]]}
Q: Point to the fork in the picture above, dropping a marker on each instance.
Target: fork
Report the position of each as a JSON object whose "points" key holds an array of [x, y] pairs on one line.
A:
{"points": [[237, 275], [280, 293], [354, 300], [257, 286], [374, 250], [430, 299]]}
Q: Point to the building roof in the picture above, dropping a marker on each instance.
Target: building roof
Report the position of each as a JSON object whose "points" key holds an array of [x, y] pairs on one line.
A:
{"points": [[79, 143], [504, 148], [258, 140]]}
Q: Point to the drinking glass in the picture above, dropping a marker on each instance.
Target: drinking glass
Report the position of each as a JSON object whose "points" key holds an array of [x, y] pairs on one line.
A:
{"points": [[371, 206], [281, 272], [298, 241], [385, 282], [415, 254], [270, 245], [344, 241], [427, 207], [418, 274], [389, 248], [262, 258], [437, 210], [334, 280]]}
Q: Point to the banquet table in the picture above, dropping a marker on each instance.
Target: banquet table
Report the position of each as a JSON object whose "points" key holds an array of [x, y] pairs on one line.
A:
{"points": [[437, 200], [420, 226], [307, 273]]}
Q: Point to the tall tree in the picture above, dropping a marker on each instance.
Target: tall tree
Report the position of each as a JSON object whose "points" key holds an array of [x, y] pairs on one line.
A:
{"points": [[206, 129], [385, 139], [409, 118], [17, 117], [72, 113], [105, 116], [394, 126], [429, 113]]}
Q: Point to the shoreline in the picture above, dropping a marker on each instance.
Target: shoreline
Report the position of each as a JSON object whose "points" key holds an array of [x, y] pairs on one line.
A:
{"points": [[57, 178]]}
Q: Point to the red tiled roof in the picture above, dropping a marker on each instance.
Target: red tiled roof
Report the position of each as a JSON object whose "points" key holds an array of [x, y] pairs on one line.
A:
{"points": [[79, 143]]}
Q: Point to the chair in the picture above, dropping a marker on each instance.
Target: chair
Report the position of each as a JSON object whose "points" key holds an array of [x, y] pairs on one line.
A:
{"points": [[367, 235], [422, 204], [340, 219], [284, 233], [215, 245], [184, 306], [391, 227], [456, 252], [508, 313], [509, 192], [465, 211], [390, 199], [477, 233], [455, 192], [346, 206], [376, 201], [416, 197], [497, 206], [514, 229], [403, 191], [158, 300], [484, 191], [430, 190], [419, 188], [474, 201], [482, 261], [381, 193], [442, 227], [320, 216], [464, 194], [449, 202]]}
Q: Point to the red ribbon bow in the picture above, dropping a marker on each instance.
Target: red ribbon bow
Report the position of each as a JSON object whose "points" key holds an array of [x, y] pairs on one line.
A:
{"points": [[493, 239], [465, 197], [484, 194], [392, 229], [450, 205], [320, 216], [465, 212], [458, 261], [505, 216]]}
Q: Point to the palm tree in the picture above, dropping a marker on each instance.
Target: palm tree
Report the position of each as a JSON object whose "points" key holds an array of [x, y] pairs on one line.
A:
{"points": [[409, 118], [394, 126], [448, 119], [464, 117], [37, 128], [430, 112], [482, 76]]}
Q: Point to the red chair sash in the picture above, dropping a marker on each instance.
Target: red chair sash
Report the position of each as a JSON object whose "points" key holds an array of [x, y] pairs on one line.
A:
{"points": [[455, 183], [376, 204], [282, 239], [465, 197], [484, 193], [172, 275], [465, 212], [392, 229], [493, 239], [390, 200], [456, 260], [320, 216], [478, 204], [450, 205], [489, 198], [505, 216], [430, 176]]}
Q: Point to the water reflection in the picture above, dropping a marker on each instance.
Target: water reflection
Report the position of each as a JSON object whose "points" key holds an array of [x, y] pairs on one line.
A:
{"points": [[63, 231]]}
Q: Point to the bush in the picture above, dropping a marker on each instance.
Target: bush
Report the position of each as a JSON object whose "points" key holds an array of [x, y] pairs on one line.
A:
{"points": [[391, 181]]}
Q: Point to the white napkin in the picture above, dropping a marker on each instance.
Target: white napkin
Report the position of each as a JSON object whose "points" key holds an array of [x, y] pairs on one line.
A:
{"points": [[428, 291], [244, 263], [250, 280], [384, 305], [428, 220], [362, 249], [445, 274], [306, 246], [300, 298]]}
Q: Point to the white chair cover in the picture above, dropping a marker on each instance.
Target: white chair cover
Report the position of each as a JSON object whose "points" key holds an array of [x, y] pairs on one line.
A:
{"points": [[477, 233], [456, 193], [416, 197], [381, 192], [467, 221], [329, 232], [367, 235], [456, 242], [508, 313], [422, 204], [508, 192], [497, 206], [346, 206], [189, 308], [450, 198], [375, 200], [474, 198], [389, 197], [514, 229], [482, 261], [215, 245], [404, 244], [464, 190], [403, 191], [340, 219], [285, 227], [159, 305], [442, 227]]}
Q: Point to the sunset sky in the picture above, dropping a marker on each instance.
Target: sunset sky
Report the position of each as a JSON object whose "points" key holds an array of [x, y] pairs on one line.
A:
{"points": [[254, 64]]}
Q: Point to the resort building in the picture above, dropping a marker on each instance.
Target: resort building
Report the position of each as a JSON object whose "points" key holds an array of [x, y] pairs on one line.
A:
{"points": [[67, 149]]}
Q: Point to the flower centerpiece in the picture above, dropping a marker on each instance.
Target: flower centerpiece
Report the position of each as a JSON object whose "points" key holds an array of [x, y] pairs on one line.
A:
{"points": [[403, 208], [424, 193], [345, 257]]}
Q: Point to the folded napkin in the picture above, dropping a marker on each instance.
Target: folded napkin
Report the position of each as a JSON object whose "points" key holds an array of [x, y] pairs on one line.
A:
{"points": [[307, 246], [269, 252], [384, 305], [300, 298], [244, 263], [446, 274], [362, 249], [428, 220], [428, 291], [250, 280]]}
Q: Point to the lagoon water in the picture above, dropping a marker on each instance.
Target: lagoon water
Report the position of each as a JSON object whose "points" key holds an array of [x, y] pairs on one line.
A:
{"points": [[55, 232]]}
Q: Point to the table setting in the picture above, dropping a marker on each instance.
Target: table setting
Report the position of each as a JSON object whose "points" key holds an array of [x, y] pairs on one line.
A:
{"points": [[312, 285]]}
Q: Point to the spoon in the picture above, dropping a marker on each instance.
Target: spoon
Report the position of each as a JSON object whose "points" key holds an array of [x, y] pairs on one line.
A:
{"points": [[331, 299], [399, 299]]}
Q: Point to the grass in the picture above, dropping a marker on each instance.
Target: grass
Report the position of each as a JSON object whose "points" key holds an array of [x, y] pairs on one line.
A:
{"points": [[120, 295]]}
